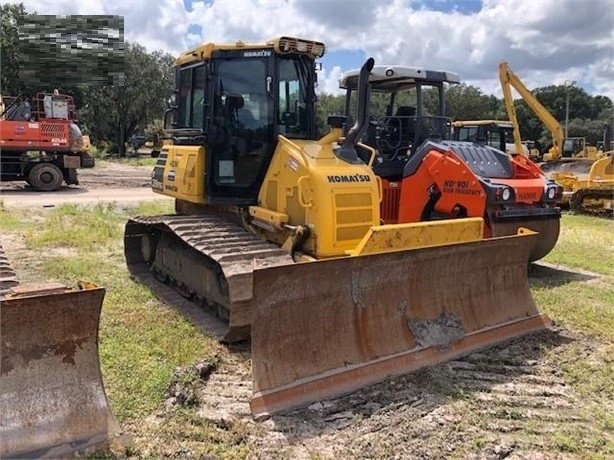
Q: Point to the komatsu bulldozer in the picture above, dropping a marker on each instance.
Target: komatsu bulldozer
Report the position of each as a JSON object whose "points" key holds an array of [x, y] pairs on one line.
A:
{"points": [[425, 176], [52, 399], [279, 233]]}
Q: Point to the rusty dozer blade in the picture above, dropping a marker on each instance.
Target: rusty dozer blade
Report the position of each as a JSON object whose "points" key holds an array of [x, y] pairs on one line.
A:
{"points": [[52, 399], [326, 328]]}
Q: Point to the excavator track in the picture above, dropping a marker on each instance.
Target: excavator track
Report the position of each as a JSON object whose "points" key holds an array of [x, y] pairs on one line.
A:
{"points": [[593, 201], [207, 259]]}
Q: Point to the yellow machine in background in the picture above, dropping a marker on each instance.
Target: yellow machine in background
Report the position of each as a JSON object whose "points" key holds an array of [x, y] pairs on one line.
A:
{"points": [[569, 161], [279, 233], [495, 133], [593, 194]]}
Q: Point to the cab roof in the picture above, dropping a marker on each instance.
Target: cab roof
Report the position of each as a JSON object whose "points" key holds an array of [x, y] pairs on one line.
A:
{"points": [[281, 45], [391, 78], [497, 123]]}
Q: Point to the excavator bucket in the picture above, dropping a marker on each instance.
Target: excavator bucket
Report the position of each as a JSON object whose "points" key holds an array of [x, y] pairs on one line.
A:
{"points": [[326, 328], [52, 400]]}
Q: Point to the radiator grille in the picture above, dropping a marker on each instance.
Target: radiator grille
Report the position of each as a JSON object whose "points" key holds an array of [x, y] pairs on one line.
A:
{"points": [[353, 216]]}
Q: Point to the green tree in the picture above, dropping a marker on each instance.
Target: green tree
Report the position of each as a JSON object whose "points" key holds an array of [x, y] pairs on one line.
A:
{"points": [[117, 112], [9, 52], [466, 102], [587, 114]]}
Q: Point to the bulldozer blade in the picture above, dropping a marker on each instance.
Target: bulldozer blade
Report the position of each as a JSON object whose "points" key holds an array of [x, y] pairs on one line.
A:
{"points": [[326, 328], [52, 399]]}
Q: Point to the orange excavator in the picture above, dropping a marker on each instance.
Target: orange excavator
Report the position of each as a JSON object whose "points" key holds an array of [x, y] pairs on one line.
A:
{"points": [[40, 142], [426, 177]]}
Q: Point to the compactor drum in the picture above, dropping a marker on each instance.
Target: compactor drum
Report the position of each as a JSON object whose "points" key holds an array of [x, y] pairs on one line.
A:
{"points": [[52, 399], [279, 233]]}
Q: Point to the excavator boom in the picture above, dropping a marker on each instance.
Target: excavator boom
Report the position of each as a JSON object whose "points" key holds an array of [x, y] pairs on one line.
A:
{"points": [[509, 80]]}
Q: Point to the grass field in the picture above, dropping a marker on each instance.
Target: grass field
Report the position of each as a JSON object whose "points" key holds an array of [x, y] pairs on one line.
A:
{"points": [[143, 342]]}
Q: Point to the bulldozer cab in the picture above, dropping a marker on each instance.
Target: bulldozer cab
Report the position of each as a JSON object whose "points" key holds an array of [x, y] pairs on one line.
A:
{"points": [[400, 118], [235, 101]]}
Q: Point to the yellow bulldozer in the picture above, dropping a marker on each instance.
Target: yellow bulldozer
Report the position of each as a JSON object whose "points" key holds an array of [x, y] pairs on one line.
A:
{"points": [[278, 232], [52, 399]]}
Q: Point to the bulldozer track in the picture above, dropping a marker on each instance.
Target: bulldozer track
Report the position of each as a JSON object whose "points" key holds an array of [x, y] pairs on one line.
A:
{"points": [[207, 259], [8, 279], [576, 203]]}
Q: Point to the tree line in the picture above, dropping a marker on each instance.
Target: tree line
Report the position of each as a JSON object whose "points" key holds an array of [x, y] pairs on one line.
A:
{"points": [[112, 114]]}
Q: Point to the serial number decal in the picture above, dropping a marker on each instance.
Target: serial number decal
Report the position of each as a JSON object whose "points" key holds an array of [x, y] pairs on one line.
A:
{"points": [[349, 178], [292, 163], [460, 187]]}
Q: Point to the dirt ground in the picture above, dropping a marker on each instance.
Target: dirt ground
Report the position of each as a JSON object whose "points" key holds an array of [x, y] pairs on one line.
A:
{"points": [[512, 401], [108, 181]]}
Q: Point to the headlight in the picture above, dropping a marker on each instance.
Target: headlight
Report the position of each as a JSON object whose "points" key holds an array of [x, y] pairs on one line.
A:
{"points": [[551, 193], [506, 194]]}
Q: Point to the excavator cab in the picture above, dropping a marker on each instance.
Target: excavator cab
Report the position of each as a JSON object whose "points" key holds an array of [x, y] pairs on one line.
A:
{"points": [[495, 133]]}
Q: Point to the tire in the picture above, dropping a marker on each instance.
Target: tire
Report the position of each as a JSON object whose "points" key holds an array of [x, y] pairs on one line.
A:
{"points": [[45, 177]]}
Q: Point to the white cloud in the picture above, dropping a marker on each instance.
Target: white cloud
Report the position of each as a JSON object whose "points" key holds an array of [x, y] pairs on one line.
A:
{"points": [[328, 81], [545, 41]]}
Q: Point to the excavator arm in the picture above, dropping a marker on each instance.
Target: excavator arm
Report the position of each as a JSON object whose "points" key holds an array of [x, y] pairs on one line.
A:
{"points": [[509, 79]]}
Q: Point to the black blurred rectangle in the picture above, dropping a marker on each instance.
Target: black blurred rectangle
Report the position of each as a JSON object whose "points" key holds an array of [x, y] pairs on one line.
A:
{"points": [[71, 50]]}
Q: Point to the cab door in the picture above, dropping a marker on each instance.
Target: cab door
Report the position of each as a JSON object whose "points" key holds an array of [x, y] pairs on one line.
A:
{"points": [[241, 130]]}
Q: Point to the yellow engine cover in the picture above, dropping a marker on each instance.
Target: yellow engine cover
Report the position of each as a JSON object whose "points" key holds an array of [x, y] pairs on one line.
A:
{"points": [[180, 173], [337, 200]]}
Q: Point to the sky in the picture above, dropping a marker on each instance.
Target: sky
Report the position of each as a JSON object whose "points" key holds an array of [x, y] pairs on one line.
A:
{"points": [[545, 42]]}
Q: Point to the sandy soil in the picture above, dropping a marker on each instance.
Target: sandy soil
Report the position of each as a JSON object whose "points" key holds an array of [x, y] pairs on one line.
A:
{"points": [[108, 181]]}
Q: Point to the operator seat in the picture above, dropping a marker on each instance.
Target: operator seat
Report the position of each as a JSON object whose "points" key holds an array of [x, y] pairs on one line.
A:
{"points": [[406, 114]]}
